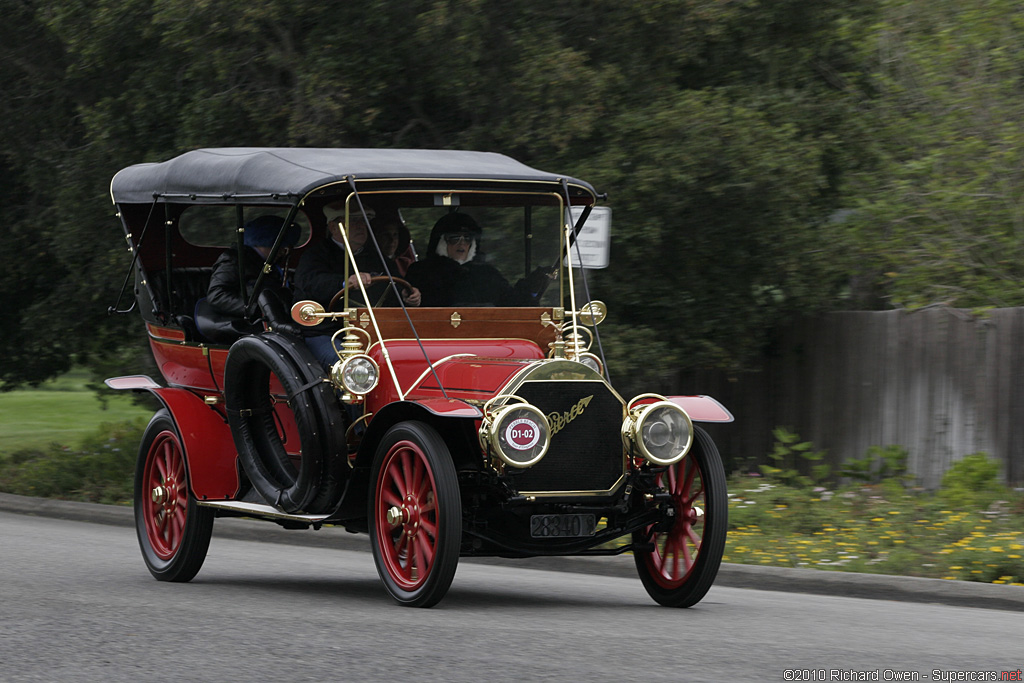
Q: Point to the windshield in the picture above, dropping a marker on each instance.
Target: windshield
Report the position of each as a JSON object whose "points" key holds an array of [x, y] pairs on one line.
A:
{"points": [[512, 243], [467, 255]]}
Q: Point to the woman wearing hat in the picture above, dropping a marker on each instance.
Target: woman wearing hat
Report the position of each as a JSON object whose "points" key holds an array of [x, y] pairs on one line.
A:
{"points": [[451, 275]]}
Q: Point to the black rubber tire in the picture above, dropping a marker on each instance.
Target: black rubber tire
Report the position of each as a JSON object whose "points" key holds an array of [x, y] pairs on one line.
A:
{"points": [[667, 585], [250, 407], [417, 557], [173, 531], [330, 417]]}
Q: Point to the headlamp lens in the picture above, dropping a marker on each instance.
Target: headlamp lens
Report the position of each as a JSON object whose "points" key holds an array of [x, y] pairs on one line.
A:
{"points": [[662, 432], [359, 375]]}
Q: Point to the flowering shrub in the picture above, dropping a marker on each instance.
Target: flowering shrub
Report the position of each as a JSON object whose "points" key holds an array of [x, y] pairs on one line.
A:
{"points": [[971, 529]]}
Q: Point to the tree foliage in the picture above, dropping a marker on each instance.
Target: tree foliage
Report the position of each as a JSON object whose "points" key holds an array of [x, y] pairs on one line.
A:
{"points": [[726, 133], [939, 219]]}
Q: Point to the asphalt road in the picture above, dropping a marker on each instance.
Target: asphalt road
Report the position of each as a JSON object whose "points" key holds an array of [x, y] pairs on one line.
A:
{"points": [[78, 605]]}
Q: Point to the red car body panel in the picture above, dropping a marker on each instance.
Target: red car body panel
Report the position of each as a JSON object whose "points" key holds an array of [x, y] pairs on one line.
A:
{"points": [[467, 368], [189, 365], [204, 428]]}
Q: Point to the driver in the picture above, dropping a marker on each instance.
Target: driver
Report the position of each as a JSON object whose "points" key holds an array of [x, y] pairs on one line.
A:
{"points": [[321, 272]]}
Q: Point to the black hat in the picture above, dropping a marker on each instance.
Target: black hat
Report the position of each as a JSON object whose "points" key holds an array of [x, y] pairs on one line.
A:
{"points": [[262, 231], [452, 222]]}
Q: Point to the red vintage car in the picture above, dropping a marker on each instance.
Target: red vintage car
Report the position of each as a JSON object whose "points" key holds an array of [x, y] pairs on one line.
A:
{"points": [[463, 408]]}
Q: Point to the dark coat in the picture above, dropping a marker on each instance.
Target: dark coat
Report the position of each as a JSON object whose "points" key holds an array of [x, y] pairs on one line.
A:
{"points": [[321, 271], [224, 294], [443, 281]]}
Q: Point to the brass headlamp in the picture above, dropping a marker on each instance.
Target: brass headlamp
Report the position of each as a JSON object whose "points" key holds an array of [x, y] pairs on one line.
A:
{"points": [[661, 431]]}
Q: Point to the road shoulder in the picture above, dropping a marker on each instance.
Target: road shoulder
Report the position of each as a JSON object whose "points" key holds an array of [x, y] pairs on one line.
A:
{"points": [[821, 582]]}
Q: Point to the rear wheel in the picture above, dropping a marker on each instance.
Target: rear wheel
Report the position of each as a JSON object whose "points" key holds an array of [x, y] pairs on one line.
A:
{"points": [[174, 533], [415, 514], [684, 561]]}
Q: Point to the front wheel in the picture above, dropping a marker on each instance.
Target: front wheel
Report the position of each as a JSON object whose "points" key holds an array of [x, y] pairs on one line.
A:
{"points": [[174, 533], [684, 561], [415, 514]]}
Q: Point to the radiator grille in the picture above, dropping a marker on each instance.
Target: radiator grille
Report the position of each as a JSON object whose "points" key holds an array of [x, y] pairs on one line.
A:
{"points": [[586, 452]]}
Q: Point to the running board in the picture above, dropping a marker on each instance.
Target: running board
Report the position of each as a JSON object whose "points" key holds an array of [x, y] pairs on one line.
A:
{"points": [[260, 510]]}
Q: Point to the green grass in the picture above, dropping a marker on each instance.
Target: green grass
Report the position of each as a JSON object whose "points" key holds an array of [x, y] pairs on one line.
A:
{"points": [[61, 411], [61, 440]]}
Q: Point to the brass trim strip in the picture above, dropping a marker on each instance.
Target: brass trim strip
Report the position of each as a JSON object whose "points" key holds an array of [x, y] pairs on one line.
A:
{"points": [[446, 183], [522, 377], [593, 493]]}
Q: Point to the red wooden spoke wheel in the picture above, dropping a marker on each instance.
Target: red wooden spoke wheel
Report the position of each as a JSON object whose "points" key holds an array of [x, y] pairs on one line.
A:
{"points": [[415, 515], [174, 533], [684, 561], [407, 519], [675, 552], [165, 509]]}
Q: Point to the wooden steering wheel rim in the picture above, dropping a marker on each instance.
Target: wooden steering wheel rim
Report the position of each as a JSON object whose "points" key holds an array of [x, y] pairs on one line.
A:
{"points": [[403, 284]]}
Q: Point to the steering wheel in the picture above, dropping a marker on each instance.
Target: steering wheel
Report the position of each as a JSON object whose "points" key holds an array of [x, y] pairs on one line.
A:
{"points": [[406, 288]]}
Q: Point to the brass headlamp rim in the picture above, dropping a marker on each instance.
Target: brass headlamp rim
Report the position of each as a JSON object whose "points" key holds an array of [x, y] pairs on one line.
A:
{"points": [[490, 408], [338, 374], [632, 426], [588, 354]]}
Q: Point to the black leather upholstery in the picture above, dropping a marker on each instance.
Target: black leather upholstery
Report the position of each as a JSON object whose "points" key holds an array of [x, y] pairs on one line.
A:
{"points": [[188, 308], [218, 328]]}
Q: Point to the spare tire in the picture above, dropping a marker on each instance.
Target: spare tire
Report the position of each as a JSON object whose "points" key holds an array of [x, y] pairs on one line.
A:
{"points": [[331, 421], [260, 425]]}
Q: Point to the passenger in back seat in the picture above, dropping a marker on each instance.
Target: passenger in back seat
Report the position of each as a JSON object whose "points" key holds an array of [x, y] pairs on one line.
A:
{"points": [[225, 293]]}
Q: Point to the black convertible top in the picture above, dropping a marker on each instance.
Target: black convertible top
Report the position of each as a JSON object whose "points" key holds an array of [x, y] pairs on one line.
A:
{"points": [[282, 174]]}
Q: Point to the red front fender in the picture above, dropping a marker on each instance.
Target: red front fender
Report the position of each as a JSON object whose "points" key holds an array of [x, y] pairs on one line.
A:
{"points": [[702, 408], [442, 413]]}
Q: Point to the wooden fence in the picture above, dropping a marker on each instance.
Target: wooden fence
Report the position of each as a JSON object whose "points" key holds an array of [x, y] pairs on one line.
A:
{"points": [[940, 382]]}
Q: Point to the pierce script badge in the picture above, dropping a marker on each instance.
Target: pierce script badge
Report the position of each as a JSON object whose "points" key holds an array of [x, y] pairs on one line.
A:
{"points": [[558, 421]]}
